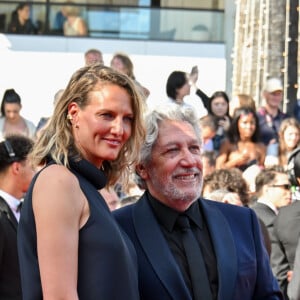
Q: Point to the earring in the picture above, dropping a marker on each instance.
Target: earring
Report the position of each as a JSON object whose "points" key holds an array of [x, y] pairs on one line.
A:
{"points": [[76, 126], [69, 117]]}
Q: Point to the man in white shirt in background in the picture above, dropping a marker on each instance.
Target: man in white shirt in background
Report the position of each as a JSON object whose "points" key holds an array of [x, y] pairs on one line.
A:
{"points": [[16, 173]]}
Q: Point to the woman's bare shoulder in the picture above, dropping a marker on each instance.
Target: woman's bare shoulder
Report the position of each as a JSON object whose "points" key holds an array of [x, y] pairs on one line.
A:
{"points": [[261, 147], [56, 177], [227, 146], [57, 172], [57, 189]]}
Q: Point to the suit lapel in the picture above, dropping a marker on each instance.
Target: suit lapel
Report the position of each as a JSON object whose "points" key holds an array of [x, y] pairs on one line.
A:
{"points": [[157, 250], [224, 247], [5, 209]]}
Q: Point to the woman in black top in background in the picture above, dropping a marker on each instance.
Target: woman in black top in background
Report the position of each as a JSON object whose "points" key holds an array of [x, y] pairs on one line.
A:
{"points": [[20, 20], [218, 107]]}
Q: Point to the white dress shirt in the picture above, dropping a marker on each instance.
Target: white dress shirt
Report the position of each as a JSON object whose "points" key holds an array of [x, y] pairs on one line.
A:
{"points": [[12, 202]]}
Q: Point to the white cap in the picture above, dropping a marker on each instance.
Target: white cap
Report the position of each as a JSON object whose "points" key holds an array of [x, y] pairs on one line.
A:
{"points": [[273, 85]]}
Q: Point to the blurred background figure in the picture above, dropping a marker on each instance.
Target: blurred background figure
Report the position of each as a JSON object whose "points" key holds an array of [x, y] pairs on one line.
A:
{"points": [[59, 20], [20, 20], [242, 147], [218, 106], [269, 114], [178, 89], [273, 191], [123, 63], [209, 127], [11, 121], [209, 162], [226, 179], [287, 228], [293, 289], [93, 56], [250, 175], [44, 120], [288, 140], [111, 198], [74, 25], [225, 196], [193, 77], [241, 100], [178, 86], [16, 173], [129, 200]]}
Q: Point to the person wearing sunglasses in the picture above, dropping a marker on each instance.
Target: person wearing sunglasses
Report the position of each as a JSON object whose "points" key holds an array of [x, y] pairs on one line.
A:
{"points": [[273, 191]]}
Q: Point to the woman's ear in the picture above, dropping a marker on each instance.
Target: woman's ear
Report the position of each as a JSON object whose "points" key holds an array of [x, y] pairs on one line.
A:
{"points": [[73, 110]]}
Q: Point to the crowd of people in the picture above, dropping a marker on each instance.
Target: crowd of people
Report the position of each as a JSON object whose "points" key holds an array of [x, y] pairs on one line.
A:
{"points": [[186, 200], [68, 21]]}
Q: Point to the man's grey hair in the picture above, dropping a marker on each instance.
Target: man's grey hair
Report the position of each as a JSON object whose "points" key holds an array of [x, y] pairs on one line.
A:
{"points": [[153, 118]]}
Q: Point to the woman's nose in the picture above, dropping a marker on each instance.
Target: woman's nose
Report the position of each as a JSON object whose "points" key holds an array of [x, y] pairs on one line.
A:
{"points": [[117, 126]]}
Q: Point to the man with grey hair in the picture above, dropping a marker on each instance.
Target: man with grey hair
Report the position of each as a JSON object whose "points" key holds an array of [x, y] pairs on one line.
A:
{"points": [[92, 56], [187, 247]]}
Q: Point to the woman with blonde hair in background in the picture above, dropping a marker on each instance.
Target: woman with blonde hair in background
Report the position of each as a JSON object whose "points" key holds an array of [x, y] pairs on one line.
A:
{"points": [[289, 138], [241, 100], [74, 24], [122, 63]]}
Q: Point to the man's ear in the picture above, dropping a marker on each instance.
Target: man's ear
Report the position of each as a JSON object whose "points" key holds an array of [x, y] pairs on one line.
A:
{"points": [[298, 180], [15, 167], [141, 170], [265, 190]]}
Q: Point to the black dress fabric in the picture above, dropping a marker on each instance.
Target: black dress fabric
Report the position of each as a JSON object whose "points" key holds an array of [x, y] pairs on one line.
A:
{"points": [[107, 267]]}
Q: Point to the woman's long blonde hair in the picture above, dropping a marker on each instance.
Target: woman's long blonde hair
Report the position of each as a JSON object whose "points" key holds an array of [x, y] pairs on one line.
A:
{"points": [[57, 140]]}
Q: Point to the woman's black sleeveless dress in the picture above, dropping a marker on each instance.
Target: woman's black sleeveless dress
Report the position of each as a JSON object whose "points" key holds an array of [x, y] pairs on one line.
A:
{"points": [[107, 267]]}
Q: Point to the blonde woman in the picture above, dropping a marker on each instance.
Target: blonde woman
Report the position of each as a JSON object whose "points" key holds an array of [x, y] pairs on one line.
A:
{"points": [[74, 24], [70, 246]]}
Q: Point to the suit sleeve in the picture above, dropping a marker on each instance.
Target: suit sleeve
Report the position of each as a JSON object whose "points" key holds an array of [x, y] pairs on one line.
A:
{"points": [[279, 261], [266, 284], [294, 286]]}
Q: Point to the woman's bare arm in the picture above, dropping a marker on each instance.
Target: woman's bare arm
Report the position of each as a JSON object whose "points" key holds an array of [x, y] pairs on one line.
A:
{"points": [[58, 205]]}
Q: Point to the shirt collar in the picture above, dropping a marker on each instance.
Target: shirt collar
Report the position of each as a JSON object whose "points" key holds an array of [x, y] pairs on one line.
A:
{"points": [[167, 216], [268, 203], [10, 200], [94, 175], [193, 212]]}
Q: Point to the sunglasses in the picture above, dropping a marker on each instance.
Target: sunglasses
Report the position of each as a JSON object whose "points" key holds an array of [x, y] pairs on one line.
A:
{"points": [[285, 186]]}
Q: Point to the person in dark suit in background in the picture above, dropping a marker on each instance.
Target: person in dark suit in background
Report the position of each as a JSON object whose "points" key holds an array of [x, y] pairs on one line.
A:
{"points": [[293, 289], [226, 237], [273, 191], [287, 228], [15, 175]]}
